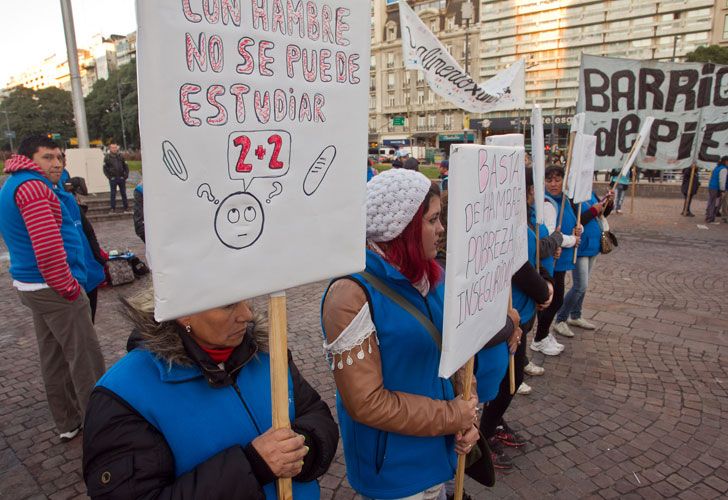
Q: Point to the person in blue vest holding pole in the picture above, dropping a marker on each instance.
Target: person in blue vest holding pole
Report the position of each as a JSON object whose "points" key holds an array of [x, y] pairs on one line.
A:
{"points": [[716, 186], [589, 247], [187, 414], [402, 425], [554, 177]]}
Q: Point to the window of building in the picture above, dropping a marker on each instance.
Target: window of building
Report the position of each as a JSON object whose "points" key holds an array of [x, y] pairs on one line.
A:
{"points": [[373, 62], [420, 97], [372, 102], [390, 59], [421, 121], [447, 121], [432, 121], [408, 98], [430, 97], [434, 26], [390, 81], [390, 98], [450, 23], [725, 25], [391, 31]]}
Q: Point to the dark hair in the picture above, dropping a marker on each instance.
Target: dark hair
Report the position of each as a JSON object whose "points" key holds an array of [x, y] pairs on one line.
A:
{"points": [[529, 177], [31, 144], [554, 169], [405, 251], [724, 160]]}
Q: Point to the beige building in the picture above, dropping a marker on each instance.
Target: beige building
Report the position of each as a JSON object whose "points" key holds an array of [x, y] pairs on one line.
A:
{"points": [[401, 106], [550, 34]]}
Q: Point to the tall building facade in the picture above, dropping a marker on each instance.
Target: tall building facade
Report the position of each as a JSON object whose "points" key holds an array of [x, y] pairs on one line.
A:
{"points": [[550, 35], [104, 55], [402, 108]]}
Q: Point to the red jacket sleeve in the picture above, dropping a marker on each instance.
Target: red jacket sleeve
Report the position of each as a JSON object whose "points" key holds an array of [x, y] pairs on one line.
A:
{"points": [[36, 204]]}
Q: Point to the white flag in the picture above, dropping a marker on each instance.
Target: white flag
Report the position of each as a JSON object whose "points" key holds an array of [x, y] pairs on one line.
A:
{"points": [[423, 51], [538, 161], [644, 134]]}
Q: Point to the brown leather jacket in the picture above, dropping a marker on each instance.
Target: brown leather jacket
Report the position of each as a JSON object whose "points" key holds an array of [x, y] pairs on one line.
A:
{"points": [[361, 385]]}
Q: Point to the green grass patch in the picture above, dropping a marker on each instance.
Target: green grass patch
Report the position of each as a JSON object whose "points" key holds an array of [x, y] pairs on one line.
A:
{"points": [[135, 165]]}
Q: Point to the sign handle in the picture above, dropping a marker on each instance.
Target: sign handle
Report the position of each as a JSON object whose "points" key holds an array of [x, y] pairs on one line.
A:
{"points": [[565, 185], [689, 196], [578, 221], [634, 189], [278, 350], [460, 474]]}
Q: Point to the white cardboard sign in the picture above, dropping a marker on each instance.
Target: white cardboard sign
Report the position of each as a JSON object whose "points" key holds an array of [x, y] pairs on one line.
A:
{"points": [[506, 140], [487, 242], [538, 161], [583, 160], [253, 118]]}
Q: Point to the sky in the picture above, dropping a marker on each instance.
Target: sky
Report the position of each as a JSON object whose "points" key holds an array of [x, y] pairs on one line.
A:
{"points": [[31, 30]]}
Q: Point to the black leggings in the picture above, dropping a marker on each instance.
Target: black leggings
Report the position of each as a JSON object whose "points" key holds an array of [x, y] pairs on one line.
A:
{"points": [[546, 316], [92, 298], [494, 410]]}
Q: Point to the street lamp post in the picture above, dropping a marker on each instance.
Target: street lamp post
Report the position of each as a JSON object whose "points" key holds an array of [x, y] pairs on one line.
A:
{"points": [[121, 114], [466, 13], [79, 109]]}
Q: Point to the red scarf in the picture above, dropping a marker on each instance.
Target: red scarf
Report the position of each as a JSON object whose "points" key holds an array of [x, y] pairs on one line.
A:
{"points": [[219, 355]]}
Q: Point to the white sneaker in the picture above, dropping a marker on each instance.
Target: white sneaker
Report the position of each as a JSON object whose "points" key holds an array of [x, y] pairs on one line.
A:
{"points": [[581, 323], [562, 328], [524, 389], [67, 436], [533, 370], [545, 347], [552, 340]]}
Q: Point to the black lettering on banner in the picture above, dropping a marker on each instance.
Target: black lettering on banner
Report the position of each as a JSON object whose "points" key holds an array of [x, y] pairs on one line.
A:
{"points": [[682, 82], [656, 78], [629, 125], [706, 82], [710, 143], [592, 90], [685, 150], [627, 94], [656, 136], [719, 94], [607, 139]]}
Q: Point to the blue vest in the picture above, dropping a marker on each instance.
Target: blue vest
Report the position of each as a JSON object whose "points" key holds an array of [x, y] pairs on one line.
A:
{"points": [[196, 420], [715, 178], [490, 368], [591, 238], [23, 264], [95, 274], [543, 232], [382, 464], [565, 262], [139, 187]]}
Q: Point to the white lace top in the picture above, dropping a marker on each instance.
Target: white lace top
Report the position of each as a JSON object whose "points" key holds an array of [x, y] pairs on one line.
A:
{"points": [[350, 343]]}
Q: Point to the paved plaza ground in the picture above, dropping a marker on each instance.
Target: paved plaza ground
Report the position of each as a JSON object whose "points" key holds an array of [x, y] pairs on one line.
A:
{"points": [[635, 409]]}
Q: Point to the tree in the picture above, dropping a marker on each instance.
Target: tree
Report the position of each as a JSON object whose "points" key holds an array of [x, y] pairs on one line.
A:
{"points": [[45, 111], [712, 53], [103, 111]]}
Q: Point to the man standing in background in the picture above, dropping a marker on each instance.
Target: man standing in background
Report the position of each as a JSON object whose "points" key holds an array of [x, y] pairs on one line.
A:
{"points": [[117, 171], [716, 186]]}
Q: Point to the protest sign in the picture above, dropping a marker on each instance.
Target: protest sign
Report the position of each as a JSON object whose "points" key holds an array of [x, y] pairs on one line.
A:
{"points": [[253, 119], [584, 156], [424, 52], [688, 100], [487, 243], [637, 145], [538, 161], [507, 140]]}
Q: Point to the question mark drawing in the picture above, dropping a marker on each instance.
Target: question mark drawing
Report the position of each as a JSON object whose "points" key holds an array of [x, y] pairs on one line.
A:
{"points": [[206, 190], [173, 161], [277, 189]]}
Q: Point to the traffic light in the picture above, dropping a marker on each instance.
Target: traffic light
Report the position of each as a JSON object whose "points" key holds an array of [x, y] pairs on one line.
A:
{"points": [[54, 136]]}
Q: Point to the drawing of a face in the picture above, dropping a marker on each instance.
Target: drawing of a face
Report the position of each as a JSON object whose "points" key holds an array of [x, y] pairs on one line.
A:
{"points": [[239, 220]]}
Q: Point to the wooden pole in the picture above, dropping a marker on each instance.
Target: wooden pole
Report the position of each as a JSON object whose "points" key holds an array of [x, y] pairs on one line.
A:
{"points": [[689, 196], [578, 221], [460, 473], [569, 153], [634, 187], [278, 350]]}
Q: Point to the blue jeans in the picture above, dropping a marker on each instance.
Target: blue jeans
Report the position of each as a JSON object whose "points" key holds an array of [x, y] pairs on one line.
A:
{"points": [[621, 191], [574, 299], [121, 184]]}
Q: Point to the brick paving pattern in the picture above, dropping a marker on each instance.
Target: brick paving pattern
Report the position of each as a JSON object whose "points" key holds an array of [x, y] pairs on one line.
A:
{"points": [[635, 409]]}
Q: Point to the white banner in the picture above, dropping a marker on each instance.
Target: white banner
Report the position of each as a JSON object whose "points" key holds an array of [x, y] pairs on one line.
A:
{"points": [[424, 52], [584, 157], [538, 161], [506, 140], [487, 242], [688, 100], [254, 127]]}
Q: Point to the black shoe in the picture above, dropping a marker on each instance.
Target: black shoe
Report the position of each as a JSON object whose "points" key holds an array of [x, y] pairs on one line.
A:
{"points": [[499, 457], [509, 437], [690, 214]]}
